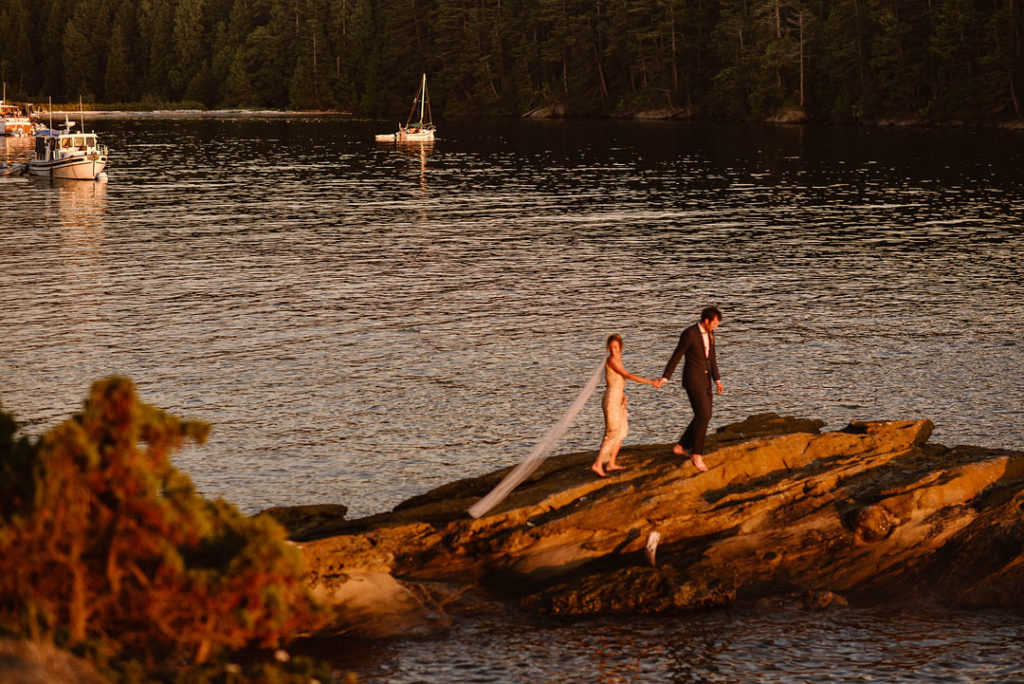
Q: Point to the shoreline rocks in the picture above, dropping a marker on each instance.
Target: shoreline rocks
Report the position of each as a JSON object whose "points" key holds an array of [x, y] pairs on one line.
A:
{"points": [[788, 115], [871, 514]]}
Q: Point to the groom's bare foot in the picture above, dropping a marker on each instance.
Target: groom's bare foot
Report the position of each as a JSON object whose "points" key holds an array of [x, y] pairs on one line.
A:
{"points": [[599, 469], [678, 450], [698, 463]]}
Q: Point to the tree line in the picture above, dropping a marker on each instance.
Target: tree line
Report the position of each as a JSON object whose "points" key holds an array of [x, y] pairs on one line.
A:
{"points": [[836, 60]]}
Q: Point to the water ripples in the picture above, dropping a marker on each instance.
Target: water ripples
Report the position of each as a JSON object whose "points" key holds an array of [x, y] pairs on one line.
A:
{"points": [[362, 322], [730, 646]]}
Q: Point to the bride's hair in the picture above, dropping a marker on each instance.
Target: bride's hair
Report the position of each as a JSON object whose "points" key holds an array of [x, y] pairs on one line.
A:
{"points": [[614, 336]]}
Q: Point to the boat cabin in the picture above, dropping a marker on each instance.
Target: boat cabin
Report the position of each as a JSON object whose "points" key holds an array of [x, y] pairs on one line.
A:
{"points": [[49, 141]]}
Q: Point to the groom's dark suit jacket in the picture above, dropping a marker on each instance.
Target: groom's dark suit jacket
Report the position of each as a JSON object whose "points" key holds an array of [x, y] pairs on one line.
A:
{"points": [[698, 370]]}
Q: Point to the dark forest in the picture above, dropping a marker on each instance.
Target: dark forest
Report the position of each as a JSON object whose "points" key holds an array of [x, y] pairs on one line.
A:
{"points": [[738, 60]]}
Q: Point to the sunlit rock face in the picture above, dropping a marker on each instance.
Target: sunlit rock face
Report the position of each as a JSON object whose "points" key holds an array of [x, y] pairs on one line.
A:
{"points": [[870, 514]]}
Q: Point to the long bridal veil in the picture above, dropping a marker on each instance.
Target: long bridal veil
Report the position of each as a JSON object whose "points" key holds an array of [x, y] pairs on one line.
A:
{"points": [[540, 452]]}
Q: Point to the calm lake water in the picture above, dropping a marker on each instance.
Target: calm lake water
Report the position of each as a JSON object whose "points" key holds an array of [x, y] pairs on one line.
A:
{"points": [[362, 322]]}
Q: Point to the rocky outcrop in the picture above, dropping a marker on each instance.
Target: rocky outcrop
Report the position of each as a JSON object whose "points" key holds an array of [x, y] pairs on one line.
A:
{"points": [[665, 113], [788, 115], [870, 514], [315, 519], [558, 110]]}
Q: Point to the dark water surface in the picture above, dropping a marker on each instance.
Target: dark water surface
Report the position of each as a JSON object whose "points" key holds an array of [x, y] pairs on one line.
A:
{"points": [[730, 646], [361, 323]]}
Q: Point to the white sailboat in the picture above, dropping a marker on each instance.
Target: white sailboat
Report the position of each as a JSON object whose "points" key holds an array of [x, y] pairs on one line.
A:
{"points": [[422, 130]]}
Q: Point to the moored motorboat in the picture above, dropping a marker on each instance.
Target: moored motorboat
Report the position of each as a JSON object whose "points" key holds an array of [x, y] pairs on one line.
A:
{"points": [[68, 154], [422, 130], [13, 121]]}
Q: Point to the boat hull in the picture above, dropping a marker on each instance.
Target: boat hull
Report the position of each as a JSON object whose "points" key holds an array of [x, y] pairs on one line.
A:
{"points": [[420, 136], [14, 170], [403, 136], [77, 168]]}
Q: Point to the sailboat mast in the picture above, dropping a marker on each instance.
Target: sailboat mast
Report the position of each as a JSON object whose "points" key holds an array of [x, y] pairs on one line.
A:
{"points": [[423, 97]]}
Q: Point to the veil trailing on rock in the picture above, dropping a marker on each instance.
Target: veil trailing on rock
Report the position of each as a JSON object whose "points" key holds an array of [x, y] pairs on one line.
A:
{"points": [[540, 452]]}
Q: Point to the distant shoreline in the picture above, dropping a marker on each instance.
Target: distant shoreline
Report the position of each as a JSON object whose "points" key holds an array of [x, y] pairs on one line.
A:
{"points": [[187, 113], [664, 115]]}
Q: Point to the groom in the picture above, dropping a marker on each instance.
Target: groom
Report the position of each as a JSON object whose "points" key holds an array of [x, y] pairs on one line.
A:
{"points": [[697, 347]]}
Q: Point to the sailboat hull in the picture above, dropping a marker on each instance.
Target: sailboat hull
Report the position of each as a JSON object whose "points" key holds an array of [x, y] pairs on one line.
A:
{"points": [[424, 135], [417, 136]]}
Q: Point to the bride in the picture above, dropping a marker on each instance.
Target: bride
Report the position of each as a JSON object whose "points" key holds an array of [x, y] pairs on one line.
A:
{"points": [[616, 417]]}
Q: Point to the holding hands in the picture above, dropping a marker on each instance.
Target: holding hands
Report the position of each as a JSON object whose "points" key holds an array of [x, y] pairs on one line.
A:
{"points": [[659, 383]]}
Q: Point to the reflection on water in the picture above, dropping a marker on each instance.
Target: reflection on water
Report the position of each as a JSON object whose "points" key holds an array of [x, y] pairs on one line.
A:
{"points": [[79, 206], [420, 149], [15, 149], [736, 646], [78, 209]]}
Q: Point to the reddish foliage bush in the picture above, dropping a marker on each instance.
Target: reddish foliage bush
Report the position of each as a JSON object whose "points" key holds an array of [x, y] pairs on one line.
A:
{"points": [[101, 536]]}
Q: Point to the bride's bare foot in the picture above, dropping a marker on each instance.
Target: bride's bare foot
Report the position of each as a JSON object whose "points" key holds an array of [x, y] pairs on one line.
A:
{"points": [[698, 463], [599, 469], [614, 466]]}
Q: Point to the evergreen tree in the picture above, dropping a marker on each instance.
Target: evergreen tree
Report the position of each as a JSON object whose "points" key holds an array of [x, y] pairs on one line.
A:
{"points": [[57, 16], [78, 59], [156, 24], [119, 81], [16, 50], [900, 62], [365, 59], [339, 80], [1003, 58], [460, 50], [236, 91], [734, 42], [957, 43], [189, 45], [845, 58]]}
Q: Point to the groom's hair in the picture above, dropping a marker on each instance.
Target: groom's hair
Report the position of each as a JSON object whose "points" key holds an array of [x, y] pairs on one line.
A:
{"points": [[710, 313]]}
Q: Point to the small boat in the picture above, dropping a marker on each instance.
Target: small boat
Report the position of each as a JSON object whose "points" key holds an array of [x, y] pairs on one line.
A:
{"points": [[18, 169], [67, 154], [12, 120], [422, 130]]}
